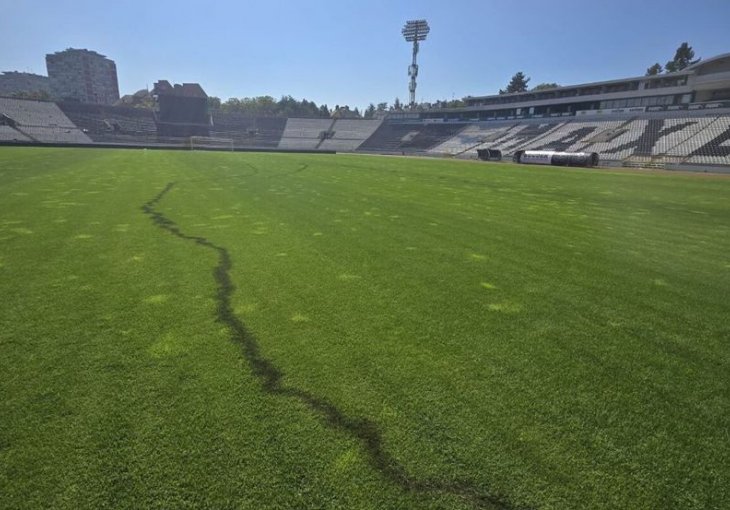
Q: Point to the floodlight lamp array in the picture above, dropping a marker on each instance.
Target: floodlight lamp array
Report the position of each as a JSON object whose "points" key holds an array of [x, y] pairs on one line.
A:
{"points": [[415, 30]]}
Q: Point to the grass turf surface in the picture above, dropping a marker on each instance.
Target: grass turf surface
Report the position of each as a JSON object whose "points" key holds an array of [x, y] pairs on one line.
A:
{"points": [[509, 336]]}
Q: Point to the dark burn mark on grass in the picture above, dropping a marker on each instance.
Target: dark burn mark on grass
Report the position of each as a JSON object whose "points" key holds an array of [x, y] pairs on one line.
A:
{"points": [[300, 168], [252, 167], [270, 377]]}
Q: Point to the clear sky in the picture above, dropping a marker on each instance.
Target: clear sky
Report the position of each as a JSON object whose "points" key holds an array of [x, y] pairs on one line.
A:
{"points": [[352, 52]]}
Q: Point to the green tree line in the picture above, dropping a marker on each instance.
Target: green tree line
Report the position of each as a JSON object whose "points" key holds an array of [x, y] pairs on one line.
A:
{"points": [[267, 106], [683, 57]]}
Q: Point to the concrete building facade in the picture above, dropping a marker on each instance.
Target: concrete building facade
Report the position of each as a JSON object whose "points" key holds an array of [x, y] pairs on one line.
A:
{"points": [[82, 75]]}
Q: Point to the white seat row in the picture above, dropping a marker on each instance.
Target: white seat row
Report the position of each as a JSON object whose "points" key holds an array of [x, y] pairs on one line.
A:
{"points": [[349, 134]]}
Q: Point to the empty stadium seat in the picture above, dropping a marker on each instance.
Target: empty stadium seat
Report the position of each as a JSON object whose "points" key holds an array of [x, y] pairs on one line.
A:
{"points": [[349, 134], [410, 137], [304, 133], [472, 136], [248, 131], [41, 121], [8, 134]]}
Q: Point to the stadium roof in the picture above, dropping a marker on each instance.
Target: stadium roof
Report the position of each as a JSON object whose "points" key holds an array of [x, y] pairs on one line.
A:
{"points": [[711, 60], [692, 69], [591, 84]]}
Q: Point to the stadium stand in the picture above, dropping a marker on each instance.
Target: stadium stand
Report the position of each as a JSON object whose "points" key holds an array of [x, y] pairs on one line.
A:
{"points": [[692, 136], [8, 134], [710, 146], [623, 144], [518, 137], [304, 133], [668, 137], [248, 131], [430, 135], [572, 136], [409, 137], [349, 134], [41, 121], [472, 136], [669, 119], [113, 124], [389, 136], [54, 134], [653, 140]]}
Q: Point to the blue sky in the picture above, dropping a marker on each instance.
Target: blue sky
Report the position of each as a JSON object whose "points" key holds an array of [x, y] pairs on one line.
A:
{"points": [[352, 52]]}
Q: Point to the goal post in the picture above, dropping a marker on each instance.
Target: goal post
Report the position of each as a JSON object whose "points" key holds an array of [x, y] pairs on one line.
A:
{"points": [[210, 143]]}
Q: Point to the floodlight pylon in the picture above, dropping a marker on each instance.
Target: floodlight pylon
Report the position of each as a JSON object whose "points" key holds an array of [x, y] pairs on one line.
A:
{"points": [[414, 31]]}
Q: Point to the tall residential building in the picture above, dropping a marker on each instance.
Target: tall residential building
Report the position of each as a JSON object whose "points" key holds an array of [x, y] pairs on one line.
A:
{"points": [[82, 75]]}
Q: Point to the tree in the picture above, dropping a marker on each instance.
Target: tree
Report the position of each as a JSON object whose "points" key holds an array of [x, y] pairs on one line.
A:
{"points": [[682, 58], [454, 103], [397, 106], [267, 106], [382, 107], [369, 111], [344, 112], [545, 86], [141, 99], [654, 70], [214, 103], [518, 83]]}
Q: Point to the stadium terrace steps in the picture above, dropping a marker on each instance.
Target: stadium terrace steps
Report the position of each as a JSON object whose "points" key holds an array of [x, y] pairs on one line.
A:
{"points": [[41, 121], [248, 131], [8, 134], [711, 146], [327, 133], [55, 134], [654, 139], [649, 138], [517, 137], [34, 113], [571, 136], [432, 135], [349, 134], [621, 146], [109, 124], [410, 137], [303, 133], [543, 132], [676, 131], [388, 137], [472, 136]]}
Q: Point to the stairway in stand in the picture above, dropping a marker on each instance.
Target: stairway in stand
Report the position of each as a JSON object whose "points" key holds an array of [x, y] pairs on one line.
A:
{"points": [[657, 162]]}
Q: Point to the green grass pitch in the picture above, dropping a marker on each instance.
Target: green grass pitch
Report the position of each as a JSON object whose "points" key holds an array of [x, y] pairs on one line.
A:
{"points": [[222, 330]]}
